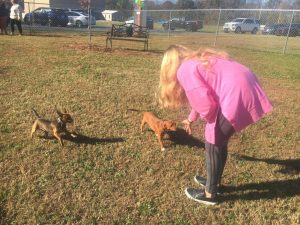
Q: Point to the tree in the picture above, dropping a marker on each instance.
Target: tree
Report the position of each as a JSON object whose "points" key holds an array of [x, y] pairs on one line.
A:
{"points": [[84, 4], [273, 4], [150, 5], [119, 4], [296, 4], [284, 5], [215, 3], [200, 4], [167, 5], [185, 4]]}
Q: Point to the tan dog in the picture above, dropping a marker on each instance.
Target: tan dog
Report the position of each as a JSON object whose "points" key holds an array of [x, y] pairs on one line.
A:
{"points": [[158, 126], [56, 127]]}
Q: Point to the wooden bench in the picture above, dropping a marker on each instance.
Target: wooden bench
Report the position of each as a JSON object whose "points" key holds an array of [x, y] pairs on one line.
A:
{"points": [[128, 32]]}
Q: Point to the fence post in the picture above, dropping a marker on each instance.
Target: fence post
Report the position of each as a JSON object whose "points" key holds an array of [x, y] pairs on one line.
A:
{"points": [[169, 28], [29, 18], [261, 5], [217, 31], [89, 21], [288, 33]]}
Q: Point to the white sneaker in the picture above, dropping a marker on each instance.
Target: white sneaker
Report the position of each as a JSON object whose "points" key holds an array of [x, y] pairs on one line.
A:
{"points": [[199, 196]]}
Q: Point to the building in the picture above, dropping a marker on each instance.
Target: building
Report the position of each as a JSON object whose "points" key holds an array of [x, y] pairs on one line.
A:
{"points": [[113, 15], [30, 5]]}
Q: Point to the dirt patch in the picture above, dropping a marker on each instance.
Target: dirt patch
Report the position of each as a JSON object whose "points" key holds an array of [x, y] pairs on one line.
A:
{"points": [[121, 51]]}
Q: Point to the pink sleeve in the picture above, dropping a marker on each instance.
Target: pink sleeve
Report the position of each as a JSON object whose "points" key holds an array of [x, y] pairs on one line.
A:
{"points": [[197, 92], [203, 103], [193, 115]]}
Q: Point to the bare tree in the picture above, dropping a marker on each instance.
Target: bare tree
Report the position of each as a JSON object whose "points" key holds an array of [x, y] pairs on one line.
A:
{"points": [[167, 5], [185, 4], [84, 4], [119, 4], [273, 4], [296, 4]]}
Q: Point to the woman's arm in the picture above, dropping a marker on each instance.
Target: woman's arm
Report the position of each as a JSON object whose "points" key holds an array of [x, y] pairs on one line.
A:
{"points": [[202, 103], [197, 91], [193, 116]]}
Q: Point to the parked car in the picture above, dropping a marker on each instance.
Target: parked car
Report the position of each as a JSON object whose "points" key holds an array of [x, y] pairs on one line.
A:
{"points": [[271, 29], [79, 19], [75, 10], [47, 16], [242, 25], [97, 13], [184, 23], [284, 30], [149, 22]]}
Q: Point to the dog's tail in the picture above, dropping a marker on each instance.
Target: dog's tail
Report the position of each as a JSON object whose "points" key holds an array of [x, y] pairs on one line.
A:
{"points": [[35, 113]]}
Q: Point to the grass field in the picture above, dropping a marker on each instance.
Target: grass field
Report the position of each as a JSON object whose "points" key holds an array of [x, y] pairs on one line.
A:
{"points": [[113, 174]]}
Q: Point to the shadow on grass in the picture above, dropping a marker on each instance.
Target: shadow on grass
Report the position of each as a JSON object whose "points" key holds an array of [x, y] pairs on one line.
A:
{"points": [[3, 212], [180, 137], [4, 71], [3, 216], [82, 139], [159, 52], [263, 190], [290, 166], [269, 189]]}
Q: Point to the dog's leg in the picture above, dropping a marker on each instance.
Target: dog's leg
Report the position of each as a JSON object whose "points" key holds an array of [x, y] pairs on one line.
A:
{"points": [[56, 134], [160, 136], [142, 124], [46, 134], [33, 129]]}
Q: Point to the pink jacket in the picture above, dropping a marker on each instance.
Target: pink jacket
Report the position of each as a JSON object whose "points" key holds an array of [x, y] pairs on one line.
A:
{"points": [[227, 86]]}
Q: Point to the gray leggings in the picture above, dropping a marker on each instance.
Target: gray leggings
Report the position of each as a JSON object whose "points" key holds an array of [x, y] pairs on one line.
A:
{"points": [[216, 154]]}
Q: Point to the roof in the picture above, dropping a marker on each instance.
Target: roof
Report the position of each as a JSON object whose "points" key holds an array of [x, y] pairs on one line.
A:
{"points": [[110, 11]]}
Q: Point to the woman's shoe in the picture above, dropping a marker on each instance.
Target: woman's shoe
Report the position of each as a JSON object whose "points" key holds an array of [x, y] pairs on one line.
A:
{"points": [[202, 182], [199, 196]]}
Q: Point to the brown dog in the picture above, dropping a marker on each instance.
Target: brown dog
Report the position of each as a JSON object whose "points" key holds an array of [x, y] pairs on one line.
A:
{"points": [[158, 126], [56, 127]]}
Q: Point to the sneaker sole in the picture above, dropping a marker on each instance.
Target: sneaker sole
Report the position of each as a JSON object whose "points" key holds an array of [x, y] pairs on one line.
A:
{"points": [[200, 201]]}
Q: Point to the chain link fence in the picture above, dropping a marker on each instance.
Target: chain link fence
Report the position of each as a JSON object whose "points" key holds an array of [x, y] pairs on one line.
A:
{"points": [[261, 29], [264, 29]]}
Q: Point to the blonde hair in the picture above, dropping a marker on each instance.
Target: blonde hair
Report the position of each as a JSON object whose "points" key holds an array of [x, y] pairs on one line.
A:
{"points": [[171, 94]]}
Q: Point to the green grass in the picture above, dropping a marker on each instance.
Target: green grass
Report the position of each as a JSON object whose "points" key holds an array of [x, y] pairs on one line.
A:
{"points": [[116, 175]]}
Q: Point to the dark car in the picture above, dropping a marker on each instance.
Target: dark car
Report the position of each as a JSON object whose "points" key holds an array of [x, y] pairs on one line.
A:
{"points": [[182, 23], [293, 30], [271, 29], [47, 16]]}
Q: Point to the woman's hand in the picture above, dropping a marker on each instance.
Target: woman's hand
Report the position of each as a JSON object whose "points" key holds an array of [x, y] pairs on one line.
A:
{"points": [[187, 126]]}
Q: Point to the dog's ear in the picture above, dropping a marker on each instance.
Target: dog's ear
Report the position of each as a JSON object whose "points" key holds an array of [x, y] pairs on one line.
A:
{"points": [[59, 112], [167, 124], [171, 125]]}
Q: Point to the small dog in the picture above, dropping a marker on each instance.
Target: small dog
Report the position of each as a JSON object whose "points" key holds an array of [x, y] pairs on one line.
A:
{"points": [[56, 127], [158, 126]]}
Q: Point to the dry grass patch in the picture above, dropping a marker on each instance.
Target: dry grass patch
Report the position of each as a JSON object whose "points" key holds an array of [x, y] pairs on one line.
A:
{"points": [[113, 174]]}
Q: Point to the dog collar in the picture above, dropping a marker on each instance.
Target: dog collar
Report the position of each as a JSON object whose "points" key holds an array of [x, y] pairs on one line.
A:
{"points": [[59, 121]]}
